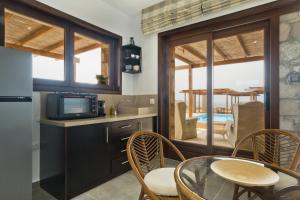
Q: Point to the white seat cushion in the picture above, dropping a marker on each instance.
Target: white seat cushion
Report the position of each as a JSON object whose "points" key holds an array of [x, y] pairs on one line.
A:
{"points": [[161, 182]]}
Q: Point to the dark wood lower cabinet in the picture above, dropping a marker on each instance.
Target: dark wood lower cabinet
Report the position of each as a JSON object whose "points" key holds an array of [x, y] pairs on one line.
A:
{"points": [[76, 159], [88, 157]]}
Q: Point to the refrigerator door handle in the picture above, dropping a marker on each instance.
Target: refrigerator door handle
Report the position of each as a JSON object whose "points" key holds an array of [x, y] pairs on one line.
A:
{"points": [[15, 99]]}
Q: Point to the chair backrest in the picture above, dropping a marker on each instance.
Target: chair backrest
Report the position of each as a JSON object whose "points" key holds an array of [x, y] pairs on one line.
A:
{"points": [[274, 146], [145, 151], [248, 118], [180, 117]]}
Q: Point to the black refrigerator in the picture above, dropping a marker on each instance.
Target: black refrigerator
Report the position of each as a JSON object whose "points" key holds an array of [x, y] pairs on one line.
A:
{"points": [[15, 125]]}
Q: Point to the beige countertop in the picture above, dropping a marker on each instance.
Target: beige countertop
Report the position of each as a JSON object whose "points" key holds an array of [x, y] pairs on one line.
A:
{"points": [[97, 120]]}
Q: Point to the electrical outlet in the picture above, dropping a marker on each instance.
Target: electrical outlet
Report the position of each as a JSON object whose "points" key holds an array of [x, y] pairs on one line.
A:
{"points": [[152, 101]]}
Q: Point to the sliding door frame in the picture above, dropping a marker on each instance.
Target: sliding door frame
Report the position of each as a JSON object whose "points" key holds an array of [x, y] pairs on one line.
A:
{"points": [[268, 13], [257, 26], [171, 77]]}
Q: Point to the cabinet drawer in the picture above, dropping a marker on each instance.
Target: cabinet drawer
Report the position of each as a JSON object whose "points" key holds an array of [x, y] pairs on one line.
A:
{"points": [[120, 165], [118, 145], [128, 126]]}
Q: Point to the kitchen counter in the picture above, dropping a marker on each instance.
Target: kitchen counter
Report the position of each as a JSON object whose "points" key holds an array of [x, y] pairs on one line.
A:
{"points": [[97, 120]]}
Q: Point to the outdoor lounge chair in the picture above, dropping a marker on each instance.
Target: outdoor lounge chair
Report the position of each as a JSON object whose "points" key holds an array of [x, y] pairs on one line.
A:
{"points": [[184, 128], [247, 118]]}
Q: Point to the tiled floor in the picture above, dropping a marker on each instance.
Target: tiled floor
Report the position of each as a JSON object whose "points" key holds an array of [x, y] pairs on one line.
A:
{"points": [[124, 187], [218, 140], [127, 187]]}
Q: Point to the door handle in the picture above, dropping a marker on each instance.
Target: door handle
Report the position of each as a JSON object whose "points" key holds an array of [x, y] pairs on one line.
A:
{"points": [[106, 135], [126, 126]]}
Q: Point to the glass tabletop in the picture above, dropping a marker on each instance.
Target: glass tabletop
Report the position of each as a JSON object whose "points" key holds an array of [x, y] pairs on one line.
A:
{"points": [[196, 176]]}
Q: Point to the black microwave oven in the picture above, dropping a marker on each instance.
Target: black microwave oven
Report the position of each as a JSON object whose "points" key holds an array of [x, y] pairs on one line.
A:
{"points": [[71, 106]]}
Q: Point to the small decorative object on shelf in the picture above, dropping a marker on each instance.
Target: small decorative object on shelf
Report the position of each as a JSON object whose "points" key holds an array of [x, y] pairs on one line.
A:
{"points": [[102, 80], [132, 58], [131, 41]]}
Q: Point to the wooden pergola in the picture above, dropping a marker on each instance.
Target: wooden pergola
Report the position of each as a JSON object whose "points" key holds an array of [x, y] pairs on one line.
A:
{"points": [[43, 39], [234, 96], [246, 47]]}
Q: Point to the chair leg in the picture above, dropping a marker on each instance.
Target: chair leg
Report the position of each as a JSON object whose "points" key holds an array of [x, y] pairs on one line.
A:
{"points": [[236, 192], [141, 197]]}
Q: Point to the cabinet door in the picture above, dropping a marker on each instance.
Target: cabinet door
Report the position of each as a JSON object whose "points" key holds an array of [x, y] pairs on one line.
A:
{"points": [[88, 157]]}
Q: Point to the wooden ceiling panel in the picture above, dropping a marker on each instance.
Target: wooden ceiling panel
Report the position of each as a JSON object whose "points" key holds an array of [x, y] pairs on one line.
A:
{"points": [[230, 47], [52, 37], [186, 55], [193, 52], [27, 34], [17, 28], [254, 42], [239, 48]]}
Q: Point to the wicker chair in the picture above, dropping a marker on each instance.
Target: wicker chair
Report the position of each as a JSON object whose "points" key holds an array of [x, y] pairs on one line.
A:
{"points": [[145, 151], [273, 146], [185, 193]]}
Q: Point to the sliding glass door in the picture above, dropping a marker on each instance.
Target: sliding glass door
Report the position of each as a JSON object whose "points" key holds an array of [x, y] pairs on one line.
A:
{"points": [[189, 87], [238, 86], [217, 87]]}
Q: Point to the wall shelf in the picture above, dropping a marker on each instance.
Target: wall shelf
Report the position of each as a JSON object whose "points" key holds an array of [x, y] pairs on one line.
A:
{"points": [[132, 59]]}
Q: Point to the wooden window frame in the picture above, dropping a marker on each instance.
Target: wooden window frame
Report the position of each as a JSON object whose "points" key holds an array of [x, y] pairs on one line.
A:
{"points": [[100, 38], [269, 12], [70, 25]]}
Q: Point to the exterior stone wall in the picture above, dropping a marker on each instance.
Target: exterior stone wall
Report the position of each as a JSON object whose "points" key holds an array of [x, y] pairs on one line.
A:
{"points": [[289, 63]]}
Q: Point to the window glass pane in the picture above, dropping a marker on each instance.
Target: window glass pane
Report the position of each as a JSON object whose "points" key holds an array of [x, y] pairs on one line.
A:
{"points": [[91, 60], [45, 42], [238, 80], [189, 114]]}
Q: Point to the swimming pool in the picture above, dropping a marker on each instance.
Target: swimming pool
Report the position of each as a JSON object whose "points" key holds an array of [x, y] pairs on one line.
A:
{"points": [[217, 118]]}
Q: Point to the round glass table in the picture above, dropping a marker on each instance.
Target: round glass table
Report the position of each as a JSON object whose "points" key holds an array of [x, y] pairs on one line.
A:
{"points": [[196, 180]]}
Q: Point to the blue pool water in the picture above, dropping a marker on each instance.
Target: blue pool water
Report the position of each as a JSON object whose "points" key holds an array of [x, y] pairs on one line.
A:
{"points": [[218, 118]]}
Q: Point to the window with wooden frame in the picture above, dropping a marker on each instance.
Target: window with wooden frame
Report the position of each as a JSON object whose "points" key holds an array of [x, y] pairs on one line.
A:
{"points": [[67, 56], [92, 59], [45, 41]]}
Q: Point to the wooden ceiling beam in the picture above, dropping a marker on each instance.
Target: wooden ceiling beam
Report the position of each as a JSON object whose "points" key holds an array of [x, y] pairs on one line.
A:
{"points": [[35, 51], [220, 52], [54, 46], [225, 62], [59, 44], [7, 16], [87, 48], [33, 35], [39, 52], [183, 59], [240, 60], [242, 45], [194, 52]]}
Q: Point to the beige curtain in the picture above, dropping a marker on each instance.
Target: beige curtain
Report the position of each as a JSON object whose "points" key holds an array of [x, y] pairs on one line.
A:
{"points": [[170, 12]]}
